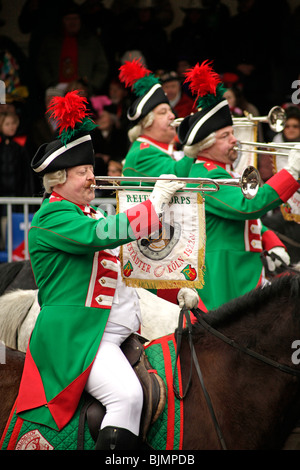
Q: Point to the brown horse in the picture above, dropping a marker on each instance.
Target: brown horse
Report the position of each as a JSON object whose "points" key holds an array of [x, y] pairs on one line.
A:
{"points": [[245, 380]]}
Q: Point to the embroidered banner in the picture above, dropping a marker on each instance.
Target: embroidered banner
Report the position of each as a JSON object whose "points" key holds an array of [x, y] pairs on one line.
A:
{"points": [[291, 209], [173, 256]]}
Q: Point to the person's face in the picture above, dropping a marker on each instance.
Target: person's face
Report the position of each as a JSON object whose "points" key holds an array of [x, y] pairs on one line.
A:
{"points": [[171, 89], [223, 149], [72, 24], [116, 92], [230, 96], [292, 129], [77, 187], [113, 170], [9, 126], [160, 129]]}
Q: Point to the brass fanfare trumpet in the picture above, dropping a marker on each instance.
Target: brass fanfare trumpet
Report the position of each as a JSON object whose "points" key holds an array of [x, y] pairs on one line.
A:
{"points": [[286, 146], [249, 182]]}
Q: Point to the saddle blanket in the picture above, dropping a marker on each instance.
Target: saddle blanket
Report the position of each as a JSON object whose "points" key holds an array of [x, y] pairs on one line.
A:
{"points": [[164, 434]]}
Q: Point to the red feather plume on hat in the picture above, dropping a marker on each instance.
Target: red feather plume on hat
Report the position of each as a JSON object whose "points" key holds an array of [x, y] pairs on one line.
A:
{"points": [[70, 114], [132, 71], [68, 110], [203, 79]]}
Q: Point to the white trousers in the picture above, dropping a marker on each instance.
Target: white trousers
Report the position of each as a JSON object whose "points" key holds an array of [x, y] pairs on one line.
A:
{"points": [[113, 382]]}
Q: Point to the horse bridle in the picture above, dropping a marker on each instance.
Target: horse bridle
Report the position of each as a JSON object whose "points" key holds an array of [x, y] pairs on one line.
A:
{"points": [[198, 314]]}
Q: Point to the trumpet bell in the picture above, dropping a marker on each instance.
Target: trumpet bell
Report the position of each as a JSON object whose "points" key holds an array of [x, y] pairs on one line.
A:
{"points": [[250, 182], [277, 119]]}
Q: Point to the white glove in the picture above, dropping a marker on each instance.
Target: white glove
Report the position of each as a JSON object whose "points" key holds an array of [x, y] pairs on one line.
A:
{"points": [[293, 164], [188, 297], [281, 252], [163, 192]]}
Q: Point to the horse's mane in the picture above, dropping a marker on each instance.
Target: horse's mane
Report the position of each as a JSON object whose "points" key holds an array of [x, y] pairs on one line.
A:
{"points": [[285, 287]]}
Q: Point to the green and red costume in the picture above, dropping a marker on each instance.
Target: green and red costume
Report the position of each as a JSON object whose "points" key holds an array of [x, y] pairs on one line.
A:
{"points": [[235, 236], [76, 274], [148, 157]]}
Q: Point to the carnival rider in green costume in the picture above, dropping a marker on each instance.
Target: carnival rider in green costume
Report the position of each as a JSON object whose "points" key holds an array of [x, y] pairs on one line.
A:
{"points": [[86, 309], [153, 135], [235, 236]]}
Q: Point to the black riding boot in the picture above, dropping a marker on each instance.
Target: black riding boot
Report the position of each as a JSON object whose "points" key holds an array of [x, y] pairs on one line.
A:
{"points": [[113, 438]]}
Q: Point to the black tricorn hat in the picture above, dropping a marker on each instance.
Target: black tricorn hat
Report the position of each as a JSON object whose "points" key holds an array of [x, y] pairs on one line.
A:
{"points": [[144, 104], [74, 146], [200, 125], [145, 85], [55, 156], [213, 110]]}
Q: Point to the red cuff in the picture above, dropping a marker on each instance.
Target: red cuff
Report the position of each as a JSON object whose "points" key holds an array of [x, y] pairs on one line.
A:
{"points": [[143, 219], [284, 184], [270, 240], [168, 294]]}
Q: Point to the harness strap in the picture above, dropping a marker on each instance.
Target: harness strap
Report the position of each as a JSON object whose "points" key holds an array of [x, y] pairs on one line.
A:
{"points": [[185, 312], [273, 256], [248, 351]]}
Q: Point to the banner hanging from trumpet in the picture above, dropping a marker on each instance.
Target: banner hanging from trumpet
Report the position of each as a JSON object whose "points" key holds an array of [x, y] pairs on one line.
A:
{"points": [[291, 209], [172, 257]]}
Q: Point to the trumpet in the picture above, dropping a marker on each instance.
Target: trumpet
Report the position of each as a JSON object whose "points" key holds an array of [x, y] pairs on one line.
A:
{"points": [[276, 118], [289, 146], [249, 182]]}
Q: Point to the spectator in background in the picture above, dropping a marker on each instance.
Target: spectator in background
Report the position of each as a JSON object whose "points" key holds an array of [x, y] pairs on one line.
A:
{"points": [[43, 129], [114, 168], [291, 131], [72, 54], [268, 164], [201, 32], [238, 104], [180, 102], [37, 19], [15, 174], [101, 21], [251, 37], [144, 31], [109, 141], [14, 74]]}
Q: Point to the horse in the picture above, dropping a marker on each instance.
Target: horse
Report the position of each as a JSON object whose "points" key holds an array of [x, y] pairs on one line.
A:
{"points": [[240, 371]]}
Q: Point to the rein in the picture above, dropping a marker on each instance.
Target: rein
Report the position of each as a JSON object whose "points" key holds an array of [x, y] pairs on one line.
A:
{"points": [[250, 352], [185, 312], [284, 267], [198, 314]]}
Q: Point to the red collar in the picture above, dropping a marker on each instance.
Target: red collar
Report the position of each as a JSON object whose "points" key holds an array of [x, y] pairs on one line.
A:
{"points": [[162, 145], [55, 197], [213, 163]]}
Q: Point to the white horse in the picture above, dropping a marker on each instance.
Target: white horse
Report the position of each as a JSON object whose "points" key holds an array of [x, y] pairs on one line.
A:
{"points": [[19, 310]]}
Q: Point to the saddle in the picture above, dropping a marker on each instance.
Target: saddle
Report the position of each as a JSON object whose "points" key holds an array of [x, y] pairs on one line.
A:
{"points": [[154, 392]]}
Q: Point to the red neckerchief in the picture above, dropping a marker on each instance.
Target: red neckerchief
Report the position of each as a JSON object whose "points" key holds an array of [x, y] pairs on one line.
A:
{"points": [[87, 210]]}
